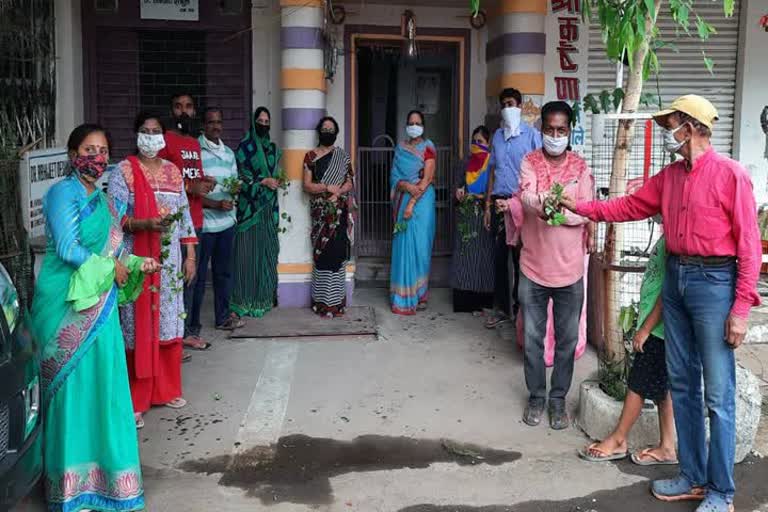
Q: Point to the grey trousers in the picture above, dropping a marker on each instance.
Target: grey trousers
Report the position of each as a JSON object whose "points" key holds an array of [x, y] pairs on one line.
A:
{"points": [[567, 302]]}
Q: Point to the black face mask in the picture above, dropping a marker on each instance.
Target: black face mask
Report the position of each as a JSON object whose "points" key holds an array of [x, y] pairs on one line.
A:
{"points": [[186, 124], [262, 130], [327, 139]]}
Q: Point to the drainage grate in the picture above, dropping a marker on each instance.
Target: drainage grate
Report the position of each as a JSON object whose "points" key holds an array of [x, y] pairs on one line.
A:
{"points": [[4, 428]]}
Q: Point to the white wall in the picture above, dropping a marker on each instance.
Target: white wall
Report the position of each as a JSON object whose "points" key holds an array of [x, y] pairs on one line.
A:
{"points": [[266, 62], [389, 15], [752, 77], [69, 69]]}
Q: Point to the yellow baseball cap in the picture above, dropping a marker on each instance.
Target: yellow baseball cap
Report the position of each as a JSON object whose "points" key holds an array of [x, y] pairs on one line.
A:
{"points": [[695, 106]]}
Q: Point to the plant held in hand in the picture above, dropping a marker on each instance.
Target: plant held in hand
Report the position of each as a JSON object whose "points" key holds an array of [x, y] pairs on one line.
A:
{"points": [[553, 210]]}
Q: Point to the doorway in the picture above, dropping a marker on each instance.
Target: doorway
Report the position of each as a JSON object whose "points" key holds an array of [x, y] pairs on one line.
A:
{"points": [[385, 86]]}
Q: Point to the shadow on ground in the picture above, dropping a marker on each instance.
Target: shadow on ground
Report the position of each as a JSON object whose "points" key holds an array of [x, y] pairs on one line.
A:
{"points": [[752, 492], [298, 468]]}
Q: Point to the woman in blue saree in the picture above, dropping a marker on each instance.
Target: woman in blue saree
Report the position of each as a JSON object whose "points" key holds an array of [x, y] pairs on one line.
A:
{"points": [[413, 203], [91, 452]]}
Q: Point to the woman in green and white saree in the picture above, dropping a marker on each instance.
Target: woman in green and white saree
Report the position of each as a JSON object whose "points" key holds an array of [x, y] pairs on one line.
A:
{"points": [[91, 450]]}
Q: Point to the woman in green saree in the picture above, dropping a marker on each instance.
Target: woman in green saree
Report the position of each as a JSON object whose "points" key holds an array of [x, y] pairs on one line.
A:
{"points": [[258, 217], [91, 453]]}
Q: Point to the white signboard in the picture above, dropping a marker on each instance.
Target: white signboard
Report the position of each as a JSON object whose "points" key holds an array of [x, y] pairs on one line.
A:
{"points": [[38, 170], [567, 58], [179, 10]]}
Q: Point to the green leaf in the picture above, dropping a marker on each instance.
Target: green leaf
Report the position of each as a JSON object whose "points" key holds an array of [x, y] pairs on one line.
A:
{"points": [[605, 101], [708, 63], [590, 103], [649, 7], [704, 29], [618, 97], [728, 7], [576, 113], [475, 5], [683, 18]]}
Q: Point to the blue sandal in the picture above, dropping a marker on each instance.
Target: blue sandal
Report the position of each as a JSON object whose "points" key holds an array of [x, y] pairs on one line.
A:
{"points": [[715, 503], [677, 489]]}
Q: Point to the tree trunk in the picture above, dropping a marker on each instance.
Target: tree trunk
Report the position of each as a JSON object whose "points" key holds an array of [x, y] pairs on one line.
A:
{"points": [[614, 241]]}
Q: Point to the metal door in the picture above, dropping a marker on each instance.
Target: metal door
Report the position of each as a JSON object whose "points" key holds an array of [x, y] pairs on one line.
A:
{"points": [[373, 231]]}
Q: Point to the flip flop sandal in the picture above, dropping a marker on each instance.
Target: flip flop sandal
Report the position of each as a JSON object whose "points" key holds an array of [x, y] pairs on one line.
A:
{"points": [[199, 348], [177, 403], [585, 454], [492, 323], [186, 357], [231, 324], [637, 458], [139, 422]]}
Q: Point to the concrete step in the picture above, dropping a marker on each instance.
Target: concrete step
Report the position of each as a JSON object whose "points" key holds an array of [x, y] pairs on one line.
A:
{"points": [[374, 272]]}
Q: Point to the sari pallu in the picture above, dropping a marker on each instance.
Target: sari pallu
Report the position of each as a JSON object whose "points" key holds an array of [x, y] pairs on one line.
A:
{"points": [[91, 454], [254, 276], [332, 232], [412, 238]]}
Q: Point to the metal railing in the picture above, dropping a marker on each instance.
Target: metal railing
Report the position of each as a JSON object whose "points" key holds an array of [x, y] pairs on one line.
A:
{"points": [[373, 231]]}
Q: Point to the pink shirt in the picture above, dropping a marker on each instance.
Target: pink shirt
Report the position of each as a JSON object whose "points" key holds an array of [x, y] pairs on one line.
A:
{"points": [[708, 210], [513, 220], [553, 256]]}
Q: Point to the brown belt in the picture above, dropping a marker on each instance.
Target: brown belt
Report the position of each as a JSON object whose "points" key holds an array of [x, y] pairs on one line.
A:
{"points": [[704, 261]]}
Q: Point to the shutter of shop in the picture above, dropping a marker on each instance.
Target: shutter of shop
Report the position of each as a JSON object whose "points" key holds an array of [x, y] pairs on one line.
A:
{"points": [[683, 71]]}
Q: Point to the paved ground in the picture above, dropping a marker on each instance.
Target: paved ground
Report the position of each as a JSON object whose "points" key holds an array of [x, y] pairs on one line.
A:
{"points": [[367, 425]]}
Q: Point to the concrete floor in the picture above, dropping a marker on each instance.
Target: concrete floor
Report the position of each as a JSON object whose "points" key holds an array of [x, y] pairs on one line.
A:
{"points": [[429, 384]]}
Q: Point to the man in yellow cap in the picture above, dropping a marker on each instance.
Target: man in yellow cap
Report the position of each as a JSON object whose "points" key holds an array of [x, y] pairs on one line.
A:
{"points": [[710, 226]]}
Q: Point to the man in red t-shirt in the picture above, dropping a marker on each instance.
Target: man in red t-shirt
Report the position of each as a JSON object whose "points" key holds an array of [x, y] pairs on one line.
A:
{"points": [[183, 150]]}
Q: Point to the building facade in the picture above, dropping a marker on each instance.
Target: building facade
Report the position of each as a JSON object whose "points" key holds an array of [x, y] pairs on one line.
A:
{"points": [[368, 64]]}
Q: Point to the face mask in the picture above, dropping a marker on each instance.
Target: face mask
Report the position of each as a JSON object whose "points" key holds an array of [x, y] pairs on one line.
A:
{"points": [[261, 130], [511, 116], [555, 146], [671, 144], [90, 165], [414, 131], [327, 139], [150, 144], [184, 123]]}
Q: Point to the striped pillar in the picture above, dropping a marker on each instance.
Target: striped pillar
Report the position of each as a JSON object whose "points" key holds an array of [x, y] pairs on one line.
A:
{"points": [[516, 48], [303, 104]]}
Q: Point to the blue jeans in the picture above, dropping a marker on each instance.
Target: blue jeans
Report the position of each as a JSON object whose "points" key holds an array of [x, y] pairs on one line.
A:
{"points": [[696, 303], [534, 303], [215, 248]]}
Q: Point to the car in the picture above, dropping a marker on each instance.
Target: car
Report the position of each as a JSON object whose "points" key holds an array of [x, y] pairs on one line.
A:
{"points": [[21, 430]]}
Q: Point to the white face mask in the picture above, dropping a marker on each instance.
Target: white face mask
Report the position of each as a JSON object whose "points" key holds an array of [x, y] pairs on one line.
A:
{"points": [[511, 116], [671, 144], [555, 146], [414, 131], [150, 144]]}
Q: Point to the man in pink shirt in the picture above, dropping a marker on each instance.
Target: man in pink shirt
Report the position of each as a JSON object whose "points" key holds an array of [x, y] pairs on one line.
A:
{"points": [[710, 225], [551, 263]]}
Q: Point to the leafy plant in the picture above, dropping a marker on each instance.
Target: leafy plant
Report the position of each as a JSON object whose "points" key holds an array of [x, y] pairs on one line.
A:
{"points": [[399, 227], [614, 372], [468, 208], [552, 208], [283, 182], [166, 240], [232, 185]]}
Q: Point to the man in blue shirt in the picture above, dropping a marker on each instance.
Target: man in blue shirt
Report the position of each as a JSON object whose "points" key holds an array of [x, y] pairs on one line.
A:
{"points": [[511, 142]]}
